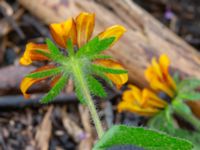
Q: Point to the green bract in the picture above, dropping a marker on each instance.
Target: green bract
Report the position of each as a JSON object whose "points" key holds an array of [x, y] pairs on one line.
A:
{"points": [[79, 67]]}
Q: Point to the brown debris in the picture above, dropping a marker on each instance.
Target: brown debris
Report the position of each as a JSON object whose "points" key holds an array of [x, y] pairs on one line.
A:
{"points": [[43, 133]]}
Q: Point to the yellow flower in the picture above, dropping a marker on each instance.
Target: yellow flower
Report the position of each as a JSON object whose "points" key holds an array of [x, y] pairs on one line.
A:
{"points": [[143, 102], [79, 30], [157, 74]]}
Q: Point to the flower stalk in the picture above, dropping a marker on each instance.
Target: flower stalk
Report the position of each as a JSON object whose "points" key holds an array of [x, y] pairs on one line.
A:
{"points": [[87, 97]]}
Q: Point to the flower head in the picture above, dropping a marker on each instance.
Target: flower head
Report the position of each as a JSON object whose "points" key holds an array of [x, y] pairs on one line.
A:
{"points": [[86, 61], [143, 102], [157, 74]]}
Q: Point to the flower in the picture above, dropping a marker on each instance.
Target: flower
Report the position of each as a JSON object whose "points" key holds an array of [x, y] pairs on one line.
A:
{"points": [[143, 102], [79, 32], [158, 76]]}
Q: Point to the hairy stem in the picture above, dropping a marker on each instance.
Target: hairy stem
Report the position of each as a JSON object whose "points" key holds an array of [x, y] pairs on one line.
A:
{"points": [[190, 118], [83, 86]]}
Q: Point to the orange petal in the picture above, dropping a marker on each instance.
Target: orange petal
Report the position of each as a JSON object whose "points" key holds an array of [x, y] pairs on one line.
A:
{"points": [[30, 53], [85, 27], [114, 31], [28, 82], [60, 32], [54, 80], [117, 79]]}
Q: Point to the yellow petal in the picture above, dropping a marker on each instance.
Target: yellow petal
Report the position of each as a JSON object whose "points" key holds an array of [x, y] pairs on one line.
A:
{"points": [[149, 73], [60, 32], [159, 86], [123, 106], [137, 93], [157, 69], [164, 63], [152, 100], [28, 82], [85, 26], [114, 31], [117, 79], [30, 53]]}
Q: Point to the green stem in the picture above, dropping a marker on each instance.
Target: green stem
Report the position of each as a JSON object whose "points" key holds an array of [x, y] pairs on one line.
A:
{"points": [[83, 86], [190, 118]]}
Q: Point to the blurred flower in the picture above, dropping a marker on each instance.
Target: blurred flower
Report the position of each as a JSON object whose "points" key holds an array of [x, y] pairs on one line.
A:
{"points": [[158, 76], [143, 102], [79, 30]]}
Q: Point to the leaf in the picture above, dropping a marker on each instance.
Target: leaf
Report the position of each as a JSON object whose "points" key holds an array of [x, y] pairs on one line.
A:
{"points": [[176, 78], [181, 107], [45, 73], [95, 87], [70, 47], [95, 46], [162, 121], [99, 56], [52, 47], [188, 85], [191, 95], [55, 90], [108, 70], [140, 137], [103, 76]]}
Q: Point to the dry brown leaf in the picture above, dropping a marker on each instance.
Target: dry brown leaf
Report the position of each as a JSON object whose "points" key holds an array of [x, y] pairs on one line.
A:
{"points": [[43, 133]]}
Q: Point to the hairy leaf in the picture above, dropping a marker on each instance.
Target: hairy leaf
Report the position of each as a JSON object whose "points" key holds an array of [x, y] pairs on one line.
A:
{"points": [[191, 95], [140, 137], [108, 70], [45, 73], [95, 46], [52, 47], [188, 85], [55, 90], [95, 87]]}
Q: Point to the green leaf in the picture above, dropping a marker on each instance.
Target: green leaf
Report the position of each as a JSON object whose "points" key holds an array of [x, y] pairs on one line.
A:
{"points": [[99, 56], [108, 70], [103, 76], [95, 87], [95, 46], [55, 90], [79, 93], [191, 95], [188, 85], [180, 106], [70, 47], [193, 137], [162, 121], [52, 47], [176, 77], [45, 73], [140, 137]]}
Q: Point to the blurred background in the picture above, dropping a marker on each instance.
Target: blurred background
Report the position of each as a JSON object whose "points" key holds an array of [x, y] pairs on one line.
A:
{"points": [[65, 124]]}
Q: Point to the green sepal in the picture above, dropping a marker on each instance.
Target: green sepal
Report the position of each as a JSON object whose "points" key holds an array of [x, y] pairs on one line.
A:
{"points": [[94, 57], [60, 84], [70, 47], [140, 137], [108, 70], [103, 76], [95, 46], [45, 73], [191, 96], [95, 87], [188, 85]]}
